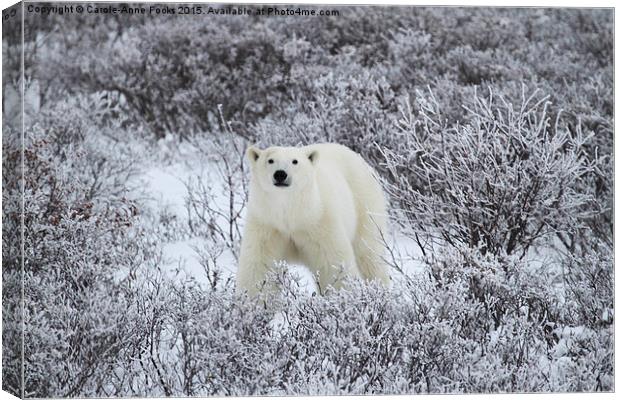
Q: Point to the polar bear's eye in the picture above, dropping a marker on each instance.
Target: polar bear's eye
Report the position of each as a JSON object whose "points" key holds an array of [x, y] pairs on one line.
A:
{"points": [[294, 161], [270, 161]]}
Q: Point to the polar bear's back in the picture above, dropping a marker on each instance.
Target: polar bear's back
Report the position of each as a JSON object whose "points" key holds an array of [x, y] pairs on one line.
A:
{"points": [[331, 155], [360, 178]]}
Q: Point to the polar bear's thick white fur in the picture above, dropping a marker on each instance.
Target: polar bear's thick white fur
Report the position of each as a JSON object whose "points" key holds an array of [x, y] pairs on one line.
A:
{"points": [[319, 205]]}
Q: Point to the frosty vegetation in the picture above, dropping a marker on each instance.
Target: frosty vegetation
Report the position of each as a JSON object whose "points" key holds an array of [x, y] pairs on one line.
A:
{"points": [[491, 130]]}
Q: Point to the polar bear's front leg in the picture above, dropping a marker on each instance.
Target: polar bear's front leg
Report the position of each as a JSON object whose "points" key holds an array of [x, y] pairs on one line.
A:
{"points": [[329, 256], [260, 248]]}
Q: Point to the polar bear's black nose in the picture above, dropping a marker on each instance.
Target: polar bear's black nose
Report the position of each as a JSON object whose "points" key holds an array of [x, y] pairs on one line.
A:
{"points": [[279, 176]]}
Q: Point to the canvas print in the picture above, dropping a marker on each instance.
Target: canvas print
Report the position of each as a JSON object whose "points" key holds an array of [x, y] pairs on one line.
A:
{"points": [[237, 200]]}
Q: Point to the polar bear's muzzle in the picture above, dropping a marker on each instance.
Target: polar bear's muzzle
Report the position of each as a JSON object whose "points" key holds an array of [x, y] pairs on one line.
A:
{"points": [[280, 178]]}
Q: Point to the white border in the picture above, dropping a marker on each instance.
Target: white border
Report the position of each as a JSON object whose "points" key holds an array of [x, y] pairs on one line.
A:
{"points": [[507, 3], [454, 3]]}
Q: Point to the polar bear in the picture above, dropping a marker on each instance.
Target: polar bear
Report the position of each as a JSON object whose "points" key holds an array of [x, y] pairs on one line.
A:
{"points": [[319, 205]]}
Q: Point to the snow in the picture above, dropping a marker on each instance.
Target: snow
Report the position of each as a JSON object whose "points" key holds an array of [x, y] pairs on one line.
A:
{"points": [[165, 187], [181, 254]]}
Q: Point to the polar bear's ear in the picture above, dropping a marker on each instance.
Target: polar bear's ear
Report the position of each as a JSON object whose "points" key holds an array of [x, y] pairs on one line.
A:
{"points": [[253, 153], [313, 155]]}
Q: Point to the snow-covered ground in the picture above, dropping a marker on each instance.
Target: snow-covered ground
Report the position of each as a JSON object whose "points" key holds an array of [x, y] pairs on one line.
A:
{"points": [[167, 193]]}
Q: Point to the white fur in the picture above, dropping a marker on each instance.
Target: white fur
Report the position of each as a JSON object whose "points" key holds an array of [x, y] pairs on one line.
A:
{"points": [[329, 218]]}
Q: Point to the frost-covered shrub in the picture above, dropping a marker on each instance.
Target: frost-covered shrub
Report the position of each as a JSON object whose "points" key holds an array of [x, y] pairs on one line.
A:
{"points": [[564, 53], [216, 200], [74, 317], [589, 276], [348, 104], [421, 336], [502, 288], [503, 180], [12, 278], [350, 341], [74, 138], [365, 33], [582, 359], [77, 238], [172, 77], [516, 319], [266, 68], [410, 57]]}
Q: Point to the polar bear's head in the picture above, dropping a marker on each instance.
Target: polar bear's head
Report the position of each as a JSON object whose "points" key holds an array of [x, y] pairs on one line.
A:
{"points": [[282, 168]]}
